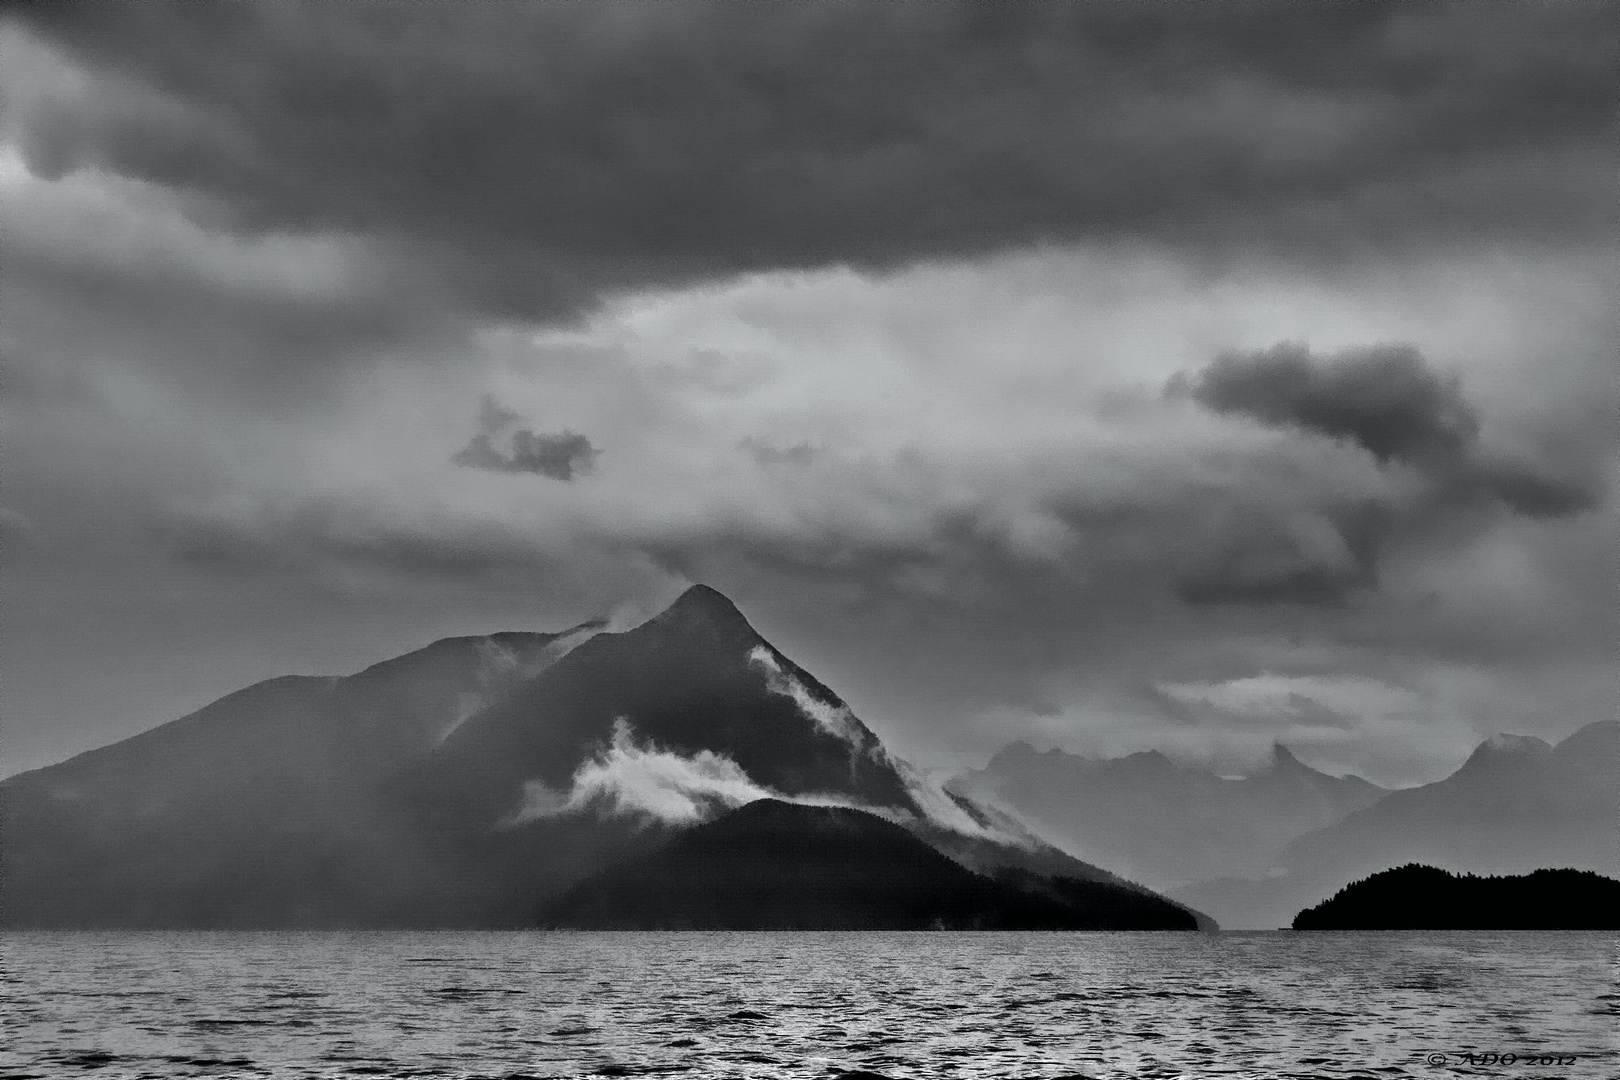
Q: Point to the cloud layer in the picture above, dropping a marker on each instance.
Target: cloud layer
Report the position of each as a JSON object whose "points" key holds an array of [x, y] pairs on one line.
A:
{"points": [[539, 156], [879, 348]]}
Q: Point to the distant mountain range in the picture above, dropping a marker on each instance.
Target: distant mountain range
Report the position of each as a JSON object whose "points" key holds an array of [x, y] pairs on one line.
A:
{"points": [[1415, 897], [1516, 805], [1272, 844], [478, 781], [1164, 824]]}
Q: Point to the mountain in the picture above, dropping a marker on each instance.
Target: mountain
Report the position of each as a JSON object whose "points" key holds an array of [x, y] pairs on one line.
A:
{"points": [[1163, 824], [460, 785], [695, 678], [1415, 897], [1516, 805], [772, 865], [265, 806]]}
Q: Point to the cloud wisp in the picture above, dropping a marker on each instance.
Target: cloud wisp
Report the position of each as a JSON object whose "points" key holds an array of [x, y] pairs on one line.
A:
{"points": [[640, 780], [501, 666], [836, 721]]}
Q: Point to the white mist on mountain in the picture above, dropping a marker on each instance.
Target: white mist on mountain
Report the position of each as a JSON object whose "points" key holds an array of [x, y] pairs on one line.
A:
{"points": [[500, 665], [632, 778], [625, 616], [928, 792], [939, 808], [569, 640], [833, 719]]}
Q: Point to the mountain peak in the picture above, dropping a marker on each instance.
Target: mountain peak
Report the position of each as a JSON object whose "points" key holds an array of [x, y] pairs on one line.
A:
{"points": [[701, 605], [1283, 758], [1521, 744], [703, 598], [1018, 750], [1503, 748]]}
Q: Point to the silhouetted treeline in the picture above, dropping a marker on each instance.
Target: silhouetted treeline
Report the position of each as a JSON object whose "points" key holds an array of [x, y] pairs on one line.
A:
{"points": [[1416, 897]]}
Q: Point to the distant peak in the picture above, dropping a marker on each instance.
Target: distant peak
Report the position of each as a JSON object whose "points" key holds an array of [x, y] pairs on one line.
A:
{"points": [[1282, 757], [703, 598], [1523, 744], [1284, 764], [1500, 747]]}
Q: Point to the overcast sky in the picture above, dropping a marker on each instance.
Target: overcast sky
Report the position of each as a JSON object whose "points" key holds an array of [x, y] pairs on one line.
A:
{"points": [[1107, 376]]}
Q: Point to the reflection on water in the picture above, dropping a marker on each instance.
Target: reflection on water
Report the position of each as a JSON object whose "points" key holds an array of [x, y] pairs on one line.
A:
{"points": [[804, 1005]]}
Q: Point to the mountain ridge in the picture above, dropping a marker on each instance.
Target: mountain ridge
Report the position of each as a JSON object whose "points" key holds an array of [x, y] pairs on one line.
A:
{"points": [[463, 783], [1515, 805], [1160, 822]]}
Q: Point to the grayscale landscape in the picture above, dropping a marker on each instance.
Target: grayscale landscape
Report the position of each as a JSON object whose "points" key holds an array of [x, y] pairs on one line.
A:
{"points": [[827, 539]]}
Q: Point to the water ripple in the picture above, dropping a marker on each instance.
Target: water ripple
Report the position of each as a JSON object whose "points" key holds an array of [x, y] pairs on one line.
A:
{"points": [[470, 1006]]}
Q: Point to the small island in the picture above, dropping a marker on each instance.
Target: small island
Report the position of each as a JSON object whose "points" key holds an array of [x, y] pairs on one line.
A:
{"points": [[1417, 897]]}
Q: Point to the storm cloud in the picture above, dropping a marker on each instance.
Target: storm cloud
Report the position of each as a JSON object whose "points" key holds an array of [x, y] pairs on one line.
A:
{"points": [[532, 158], [1390, 402], [561, 456], [1384, 398], [863, 313]]}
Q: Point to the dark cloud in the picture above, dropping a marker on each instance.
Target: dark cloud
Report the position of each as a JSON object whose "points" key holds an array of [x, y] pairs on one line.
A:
{"points": [[1268, 562], [1387, 400], [97, 268], [1384, 398], [537, 156], [562, 456], [1534, 491], [261, 200], [196, 336]]}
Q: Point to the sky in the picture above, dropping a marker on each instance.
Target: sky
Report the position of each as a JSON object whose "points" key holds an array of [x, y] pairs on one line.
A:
{"points": [[1106, 376]]}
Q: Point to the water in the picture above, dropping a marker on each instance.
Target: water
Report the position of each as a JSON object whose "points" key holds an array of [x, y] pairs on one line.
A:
{"points": [[805, 1005]]}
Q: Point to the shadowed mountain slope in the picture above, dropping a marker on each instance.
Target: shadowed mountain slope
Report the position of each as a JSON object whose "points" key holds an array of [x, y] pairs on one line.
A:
{"points": [[695, 678], [772, 865], [267, 806]]}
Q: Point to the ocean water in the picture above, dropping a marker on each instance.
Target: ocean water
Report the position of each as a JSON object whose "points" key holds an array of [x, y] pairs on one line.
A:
{"points": [[1103, 1005]]}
